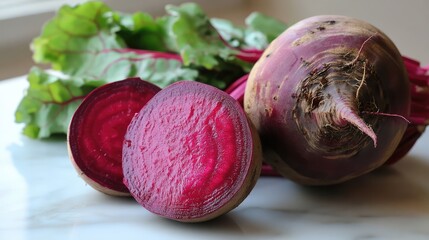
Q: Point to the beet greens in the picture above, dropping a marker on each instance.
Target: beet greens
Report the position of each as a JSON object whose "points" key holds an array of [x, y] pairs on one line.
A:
{"points": [[110, 46]]}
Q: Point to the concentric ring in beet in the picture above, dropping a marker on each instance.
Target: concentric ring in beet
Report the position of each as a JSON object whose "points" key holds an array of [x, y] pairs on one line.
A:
{"points": [[191, 154], [97, 129]]}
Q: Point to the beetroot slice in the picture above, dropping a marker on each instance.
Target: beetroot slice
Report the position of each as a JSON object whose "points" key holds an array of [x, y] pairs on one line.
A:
{"points": [[191, 154], [97, 129]]}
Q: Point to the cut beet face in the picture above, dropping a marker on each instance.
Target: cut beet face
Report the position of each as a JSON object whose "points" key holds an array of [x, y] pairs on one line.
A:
{"points": [[97, 129], [191, 154]]}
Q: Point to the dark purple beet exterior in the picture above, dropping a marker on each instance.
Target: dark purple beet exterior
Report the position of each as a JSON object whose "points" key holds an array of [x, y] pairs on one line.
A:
{"points": [[274, 82]]}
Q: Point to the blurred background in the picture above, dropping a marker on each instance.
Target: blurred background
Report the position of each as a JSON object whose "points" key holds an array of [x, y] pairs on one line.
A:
{"points": [[406, 22]]}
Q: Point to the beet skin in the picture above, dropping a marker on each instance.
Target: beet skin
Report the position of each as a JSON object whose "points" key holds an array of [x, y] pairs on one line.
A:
{"points": [[329, 98]]}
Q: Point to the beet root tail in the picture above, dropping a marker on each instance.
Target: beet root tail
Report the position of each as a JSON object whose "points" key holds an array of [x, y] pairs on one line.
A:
{"points": [[349, 115]]}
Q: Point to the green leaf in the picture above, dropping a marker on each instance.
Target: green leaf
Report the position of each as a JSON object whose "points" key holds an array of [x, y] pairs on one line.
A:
{"points": [[194, 37], [232, 34], [74, 33], [49, 103], [98, 51], [163, 71], [268, 26], [260, 30], [189, 31], [141, 31], [82, 41]]}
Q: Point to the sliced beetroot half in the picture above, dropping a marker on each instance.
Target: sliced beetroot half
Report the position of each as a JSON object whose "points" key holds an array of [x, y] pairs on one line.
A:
{"points": [[191, 154], [97, 129]]}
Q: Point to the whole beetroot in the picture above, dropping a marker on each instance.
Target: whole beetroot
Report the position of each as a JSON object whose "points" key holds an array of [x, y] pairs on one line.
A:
{"points": [[329, 97]]}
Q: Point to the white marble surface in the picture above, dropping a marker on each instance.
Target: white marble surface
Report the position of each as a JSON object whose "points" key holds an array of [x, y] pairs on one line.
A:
{"points": [[41, 197]]}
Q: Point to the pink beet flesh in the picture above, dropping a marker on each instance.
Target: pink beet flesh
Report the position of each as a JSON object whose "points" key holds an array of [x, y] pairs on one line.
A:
{"points": [[188, 153], [98, 127]]}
